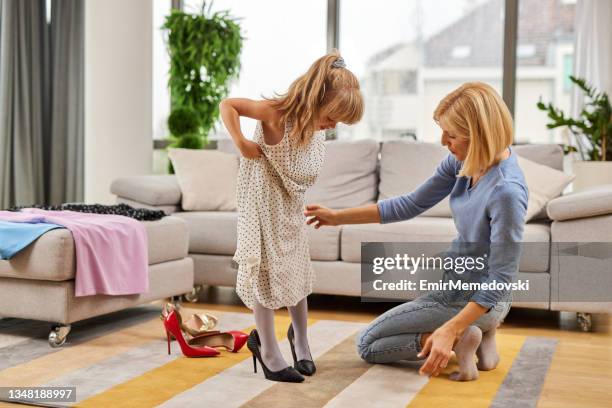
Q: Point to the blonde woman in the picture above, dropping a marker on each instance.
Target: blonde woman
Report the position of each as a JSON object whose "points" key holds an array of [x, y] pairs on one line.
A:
{"points": [[488, 199], [278, 165]]}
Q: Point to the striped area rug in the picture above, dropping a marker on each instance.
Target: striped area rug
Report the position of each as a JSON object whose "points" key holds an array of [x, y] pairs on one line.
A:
{"points": [[121, 360]]}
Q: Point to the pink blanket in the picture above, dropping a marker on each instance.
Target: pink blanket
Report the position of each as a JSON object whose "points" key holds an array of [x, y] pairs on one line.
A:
{"points": [[111, 250]]}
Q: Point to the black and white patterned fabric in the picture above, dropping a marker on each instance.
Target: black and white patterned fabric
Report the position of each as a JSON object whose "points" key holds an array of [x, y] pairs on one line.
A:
{"points": [[140, 214]]}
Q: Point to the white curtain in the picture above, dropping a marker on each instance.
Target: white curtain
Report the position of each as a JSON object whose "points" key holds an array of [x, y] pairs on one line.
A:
{"points": [[593, 47]]}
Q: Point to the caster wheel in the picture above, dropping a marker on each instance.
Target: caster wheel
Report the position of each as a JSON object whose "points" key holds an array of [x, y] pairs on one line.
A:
{"points": [[58, 335], [194, 295], [585, 321]]}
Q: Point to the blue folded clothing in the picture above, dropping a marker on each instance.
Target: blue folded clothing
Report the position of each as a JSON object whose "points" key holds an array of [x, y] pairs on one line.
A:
{"points": [[15, 236]]}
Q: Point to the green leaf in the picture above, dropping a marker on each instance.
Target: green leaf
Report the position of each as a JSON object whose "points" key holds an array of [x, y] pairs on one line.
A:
{"points": [[199, 43], [592, 124]]}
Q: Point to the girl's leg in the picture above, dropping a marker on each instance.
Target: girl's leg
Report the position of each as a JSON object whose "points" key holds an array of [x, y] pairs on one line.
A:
{"points": [[270, 352], [299, 320]]}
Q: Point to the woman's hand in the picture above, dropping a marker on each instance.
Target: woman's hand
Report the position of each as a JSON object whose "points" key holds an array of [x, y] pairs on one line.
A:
{"points": [[320, 215], [250, 149], [437, 349]]}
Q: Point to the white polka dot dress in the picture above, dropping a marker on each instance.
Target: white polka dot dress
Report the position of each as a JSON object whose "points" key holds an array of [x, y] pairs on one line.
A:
{"points": [[273, 254]]}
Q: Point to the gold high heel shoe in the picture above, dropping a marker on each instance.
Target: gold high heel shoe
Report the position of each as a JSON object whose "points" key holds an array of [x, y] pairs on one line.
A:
{"points": [[197, 324]]}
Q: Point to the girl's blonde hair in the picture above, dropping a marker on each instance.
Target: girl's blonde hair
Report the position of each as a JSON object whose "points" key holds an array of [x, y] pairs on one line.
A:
{"points": [[328, 88], [476, 111]]}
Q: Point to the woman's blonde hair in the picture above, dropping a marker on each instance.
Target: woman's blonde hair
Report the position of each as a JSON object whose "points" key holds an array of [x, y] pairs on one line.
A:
{"points": [[476, 111], [329, 88]]}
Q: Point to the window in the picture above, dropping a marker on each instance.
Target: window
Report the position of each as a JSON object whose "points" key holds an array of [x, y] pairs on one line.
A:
{"points": [[407, 55], [568, 69], [161, 66], [461, 51], [410, 53], [547, 27], [47, 11], [525, 50], [282, 39]]}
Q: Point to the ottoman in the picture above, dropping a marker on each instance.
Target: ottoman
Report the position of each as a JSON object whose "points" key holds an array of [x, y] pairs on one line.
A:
{"points": [[38, 283]]}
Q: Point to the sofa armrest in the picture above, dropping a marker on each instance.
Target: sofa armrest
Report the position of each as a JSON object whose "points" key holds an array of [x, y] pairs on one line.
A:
{"points": [[152, 190], [587, 203]]}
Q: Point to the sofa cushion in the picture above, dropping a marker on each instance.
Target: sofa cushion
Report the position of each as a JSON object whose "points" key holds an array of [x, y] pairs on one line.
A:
{"points": [[348, 177], [590, 202], [154, 190], [544, 184], [405, 165], [215, 233], [52, 256], [324, 243], [207, 179], [439, 229], [550, 155], [211, 232]]}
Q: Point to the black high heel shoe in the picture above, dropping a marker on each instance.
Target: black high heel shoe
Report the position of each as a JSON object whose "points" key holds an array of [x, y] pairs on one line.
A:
{"points": [[288, 374], [305, 367]]}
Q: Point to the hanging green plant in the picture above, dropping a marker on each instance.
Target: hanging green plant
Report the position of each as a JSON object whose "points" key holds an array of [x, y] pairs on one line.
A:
{"points": [[204, 53]]}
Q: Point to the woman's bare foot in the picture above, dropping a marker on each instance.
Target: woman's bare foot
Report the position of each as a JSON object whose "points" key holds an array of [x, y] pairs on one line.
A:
{"points": [[465, 349], [488, 358]]}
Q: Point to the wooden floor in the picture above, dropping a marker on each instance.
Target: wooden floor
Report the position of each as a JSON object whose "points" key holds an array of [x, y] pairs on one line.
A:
{"points": [[581, 371]]}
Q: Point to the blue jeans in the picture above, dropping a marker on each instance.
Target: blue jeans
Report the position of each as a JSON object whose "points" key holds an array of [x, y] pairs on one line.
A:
{"points": [[396, 334]]}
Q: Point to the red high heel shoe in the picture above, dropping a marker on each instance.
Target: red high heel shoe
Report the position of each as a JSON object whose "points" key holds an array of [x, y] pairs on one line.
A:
{"points": [[232, 340], [173, 327]]}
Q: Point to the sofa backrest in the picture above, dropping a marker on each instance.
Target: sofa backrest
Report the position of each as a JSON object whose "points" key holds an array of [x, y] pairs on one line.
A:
{"points": [[550, 155], [349, 175], [360, 172], [405, 165]]}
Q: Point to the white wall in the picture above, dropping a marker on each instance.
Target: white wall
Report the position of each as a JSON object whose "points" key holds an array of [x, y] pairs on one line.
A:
{"points": [[161, 66], [118, 93]]}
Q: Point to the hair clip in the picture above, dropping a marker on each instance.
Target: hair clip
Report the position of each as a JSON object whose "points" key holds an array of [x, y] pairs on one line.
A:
{"points": [[339, 63]]}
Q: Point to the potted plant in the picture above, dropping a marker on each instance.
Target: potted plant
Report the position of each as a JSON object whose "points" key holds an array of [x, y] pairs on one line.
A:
{"points": [[592, 135], [184, 125], [204, 51]]}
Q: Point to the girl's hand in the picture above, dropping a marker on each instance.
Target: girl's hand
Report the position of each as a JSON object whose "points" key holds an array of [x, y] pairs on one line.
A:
{"points": [[437, 349], [320, 215], [250, 149]]}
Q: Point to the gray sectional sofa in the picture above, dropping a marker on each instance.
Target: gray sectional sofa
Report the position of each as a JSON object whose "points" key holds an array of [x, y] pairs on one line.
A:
{"points": [[364, 171]]}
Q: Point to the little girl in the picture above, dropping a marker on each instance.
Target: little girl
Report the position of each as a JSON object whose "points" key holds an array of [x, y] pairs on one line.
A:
{"points": [[283, 160]]}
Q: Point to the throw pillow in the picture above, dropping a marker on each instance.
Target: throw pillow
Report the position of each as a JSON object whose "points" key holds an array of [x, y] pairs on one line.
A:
{"points": [[544, 184], [207, 179]]}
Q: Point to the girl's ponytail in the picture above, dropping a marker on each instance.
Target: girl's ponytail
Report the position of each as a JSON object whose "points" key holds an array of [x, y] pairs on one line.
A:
{"points": [[329, 87]]}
